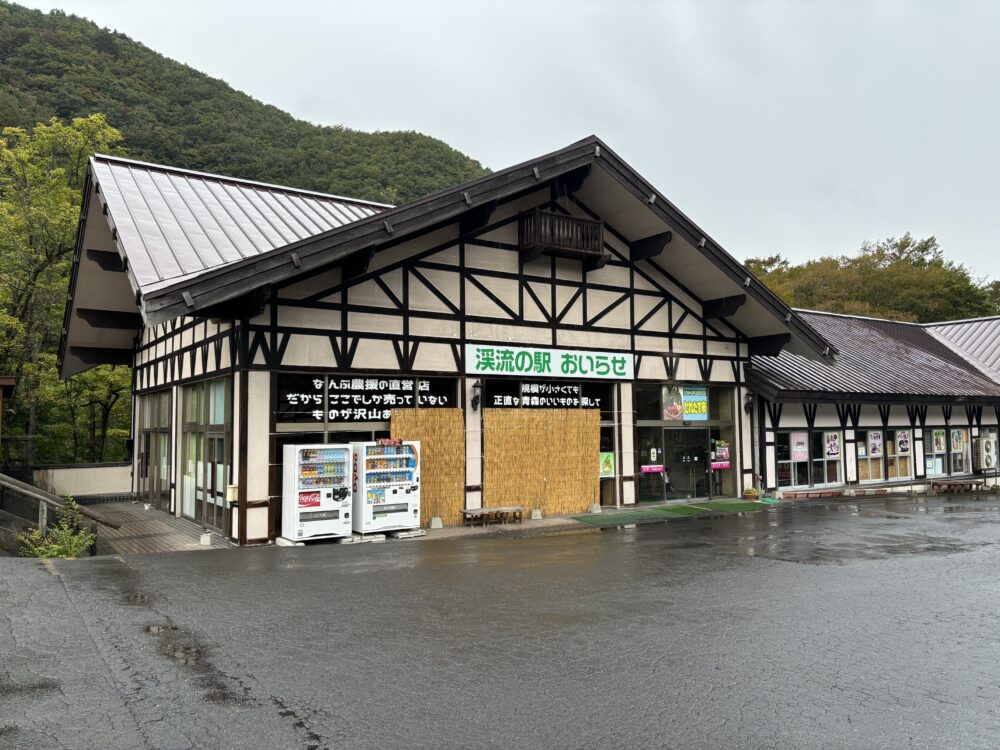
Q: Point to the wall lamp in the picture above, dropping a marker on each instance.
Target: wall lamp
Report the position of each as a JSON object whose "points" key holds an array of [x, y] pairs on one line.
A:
{"points": [[477, 398]]}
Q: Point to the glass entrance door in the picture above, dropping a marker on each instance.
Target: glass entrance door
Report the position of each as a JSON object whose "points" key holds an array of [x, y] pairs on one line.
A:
{"points": [[217, 479], [155, 468], [686, 460], [650, 460]]}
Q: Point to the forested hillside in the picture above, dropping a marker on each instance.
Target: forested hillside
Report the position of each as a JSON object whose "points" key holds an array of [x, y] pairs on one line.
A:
{"points": [[58, 65], [112, 94]]}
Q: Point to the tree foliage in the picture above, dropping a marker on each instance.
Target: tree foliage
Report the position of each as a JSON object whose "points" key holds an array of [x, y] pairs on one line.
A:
{"points": [[69, 537], [900, 278], [41, 179], [60, 65]]}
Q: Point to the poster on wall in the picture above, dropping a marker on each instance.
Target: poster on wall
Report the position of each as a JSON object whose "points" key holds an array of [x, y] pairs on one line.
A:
{"points": [[831, 444], [800, 446], [903, 441], [875, 443], [939, 446], [607, 464], [720, 457], [957, 441], [673, 404], [695, 400]]}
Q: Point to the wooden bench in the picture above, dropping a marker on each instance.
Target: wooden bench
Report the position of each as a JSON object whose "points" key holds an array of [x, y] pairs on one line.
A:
{"points": [[941, 486], [500, 514]]}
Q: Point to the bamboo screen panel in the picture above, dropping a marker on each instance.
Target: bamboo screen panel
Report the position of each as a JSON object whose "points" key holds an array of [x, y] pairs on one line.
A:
{"points": [[441, 433], [541, 458]]}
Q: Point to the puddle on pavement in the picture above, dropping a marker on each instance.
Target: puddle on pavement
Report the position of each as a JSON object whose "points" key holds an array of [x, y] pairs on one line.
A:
{"points": [[184, 649], [10, 689], [878, 548], [135, 599]]}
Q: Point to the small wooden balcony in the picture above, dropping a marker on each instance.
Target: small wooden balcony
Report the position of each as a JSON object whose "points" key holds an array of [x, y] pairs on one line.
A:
{"points": [[547, 233]]}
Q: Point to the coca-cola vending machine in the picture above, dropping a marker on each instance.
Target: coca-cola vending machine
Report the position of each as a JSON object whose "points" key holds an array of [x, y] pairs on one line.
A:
{"points": [[316, 492]]}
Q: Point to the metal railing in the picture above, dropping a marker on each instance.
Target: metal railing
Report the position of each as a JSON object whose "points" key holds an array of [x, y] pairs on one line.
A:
{"points": [[24, 506]]}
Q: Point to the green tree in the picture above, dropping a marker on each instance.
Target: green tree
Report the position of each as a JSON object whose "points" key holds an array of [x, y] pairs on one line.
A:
{"points": [[41, 178], [900, 278]]}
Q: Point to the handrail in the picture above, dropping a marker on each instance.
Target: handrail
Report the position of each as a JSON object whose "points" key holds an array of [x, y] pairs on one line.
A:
{"points": [[47, 499]]}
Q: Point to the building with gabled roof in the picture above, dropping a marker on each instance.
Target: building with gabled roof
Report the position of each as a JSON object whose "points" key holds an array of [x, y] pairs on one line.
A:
{"points": [[556, 334]]}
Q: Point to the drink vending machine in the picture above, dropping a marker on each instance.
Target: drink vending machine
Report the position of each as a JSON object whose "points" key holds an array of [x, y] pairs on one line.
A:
{"points": [[386, 485], [316, 492]]}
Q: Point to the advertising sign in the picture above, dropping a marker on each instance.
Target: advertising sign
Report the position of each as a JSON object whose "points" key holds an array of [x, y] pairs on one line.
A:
{"points": [[957, 441], [939, 444], [652, 469], [695, 403], [875, 443], [831, 441], [308, 499], [607, 464], [301, 398], [492, 359], [903, 441], [800, 446], [673, 403], [720, 458]]}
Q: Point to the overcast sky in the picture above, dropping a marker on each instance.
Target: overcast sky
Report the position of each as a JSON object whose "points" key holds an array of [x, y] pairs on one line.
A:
{"points": [[799, 127]]}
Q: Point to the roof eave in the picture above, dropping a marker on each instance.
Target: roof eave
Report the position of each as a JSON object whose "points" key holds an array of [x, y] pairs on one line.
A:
{"points": [[188, 297]]}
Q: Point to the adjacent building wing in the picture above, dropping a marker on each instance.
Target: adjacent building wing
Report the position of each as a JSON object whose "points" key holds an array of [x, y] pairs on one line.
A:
{"points": [[877, 360]]}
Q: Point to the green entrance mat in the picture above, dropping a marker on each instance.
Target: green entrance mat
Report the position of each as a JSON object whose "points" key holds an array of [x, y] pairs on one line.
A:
{"points": [[666, 512], [731, 506], [679, 511], [647, 515]]}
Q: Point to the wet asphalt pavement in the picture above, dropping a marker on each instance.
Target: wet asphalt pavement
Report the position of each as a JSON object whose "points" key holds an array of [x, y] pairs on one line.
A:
{"points": [[872, 625]]}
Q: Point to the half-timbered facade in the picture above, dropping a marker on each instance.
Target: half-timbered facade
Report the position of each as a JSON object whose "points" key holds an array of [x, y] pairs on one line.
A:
{"points": [[256, 315], [902, 404]]}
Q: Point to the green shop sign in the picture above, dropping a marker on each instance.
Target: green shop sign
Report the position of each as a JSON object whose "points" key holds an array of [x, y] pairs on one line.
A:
{"points": [[483, 359]]}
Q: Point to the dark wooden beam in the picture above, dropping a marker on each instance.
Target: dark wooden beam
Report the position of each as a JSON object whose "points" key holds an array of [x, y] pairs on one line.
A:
{"points": [[118, 320], [571, 182], [357, 264], [722, 307], [108, 260], [245, 306], [476, 219], [94, 355], [769, 346], [649, 247], [592, 264]]}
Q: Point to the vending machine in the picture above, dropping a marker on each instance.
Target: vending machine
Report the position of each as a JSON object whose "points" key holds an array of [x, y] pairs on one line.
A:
{"points": [[316, 492], [386, 486]]}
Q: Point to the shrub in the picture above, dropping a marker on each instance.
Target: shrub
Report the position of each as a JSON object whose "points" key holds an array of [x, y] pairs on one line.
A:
{"points": [[67, 538], [751, 493]]}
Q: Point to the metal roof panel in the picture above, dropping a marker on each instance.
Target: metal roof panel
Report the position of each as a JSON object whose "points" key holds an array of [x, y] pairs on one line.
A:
{"points": [[172, 224], [877, 357]]}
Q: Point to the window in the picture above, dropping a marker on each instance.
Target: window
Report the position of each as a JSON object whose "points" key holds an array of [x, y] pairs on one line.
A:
{"points": [[870, 452], [935, 452], [959, 455], [206, 449], [647, 401], [808, 459], [898, 451]]}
